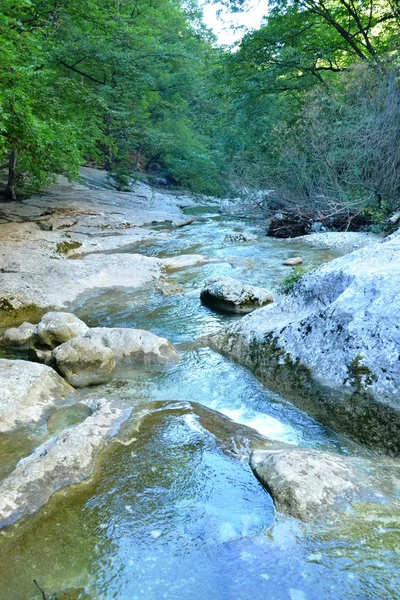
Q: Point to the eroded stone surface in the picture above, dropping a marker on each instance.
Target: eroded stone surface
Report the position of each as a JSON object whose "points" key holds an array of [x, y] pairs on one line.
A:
{"points": [[312, 485], [134, 345], [55, 328], [65, 459], [27, 391], [19, 337], [84, 361]]}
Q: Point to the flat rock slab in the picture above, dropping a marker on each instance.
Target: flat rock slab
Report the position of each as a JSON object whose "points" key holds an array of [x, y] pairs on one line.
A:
{"points": [[312, 485], [63, 460], [27, 391], [231, 296]]}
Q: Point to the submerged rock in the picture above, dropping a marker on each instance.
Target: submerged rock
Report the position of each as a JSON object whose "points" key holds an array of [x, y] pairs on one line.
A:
{"points": [[134, 345], [27, 391], [84, 361], [55, 328], [332, 345], [312, 485], [65, 459], [229, 295]]}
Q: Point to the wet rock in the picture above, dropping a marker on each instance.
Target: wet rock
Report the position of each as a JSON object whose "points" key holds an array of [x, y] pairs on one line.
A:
{"points": [[184, 261], [239, 237], [332, 345], [134, 345], [55, 328], [65, 459], [84, 361], [312, 485], [27, 391], [292, 262], [184, 223], [19, 337], [229, 295]]}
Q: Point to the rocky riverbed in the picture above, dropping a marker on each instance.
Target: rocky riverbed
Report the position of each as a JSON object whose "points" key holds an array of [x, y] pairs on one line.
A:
{"points": [[137, 462]]}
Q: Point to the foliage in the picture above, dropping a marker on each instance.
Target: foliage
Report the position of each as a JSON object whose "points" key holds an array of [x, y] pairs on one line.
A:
{"points": [[296, 274]]}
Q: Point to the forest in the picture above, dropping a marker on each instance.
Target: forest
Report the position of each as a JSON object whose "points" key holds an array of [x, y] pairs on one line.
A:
{"points": [[306, 108]]}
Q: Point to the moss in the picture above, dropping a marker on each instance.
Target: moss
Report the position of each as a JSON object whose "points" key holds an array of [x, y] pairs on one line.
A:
{"points": [[66, 247], [290, 281], [359, 375], [11, 315]]}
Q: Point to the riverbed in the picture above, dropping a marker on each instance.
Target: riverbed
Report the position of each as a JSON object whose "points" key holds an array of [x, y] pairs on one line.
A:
{"points": [[172, 509]]}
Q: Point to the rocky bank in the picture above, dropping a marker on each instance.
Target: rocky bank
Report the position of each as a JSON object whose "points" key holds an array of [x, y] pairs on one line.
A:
{"points": [[332, 346]]}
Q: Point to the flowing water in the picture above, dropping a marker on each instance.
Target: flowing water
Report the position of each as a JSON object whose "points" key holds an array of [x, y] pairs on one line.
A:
{"points": [[172, 509]]}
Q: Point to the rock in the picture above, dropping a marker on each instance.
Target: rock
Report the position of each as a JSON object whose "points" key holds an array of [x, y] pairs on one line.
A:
{"points": [[229, 295], [292, 262], [84, 361], [312, 485], [55, 328], [288, 226], [317, 227], [134, 345], [27, 391], [332, 345], [19, 337], [44, 356], [184, 223], [239, 237], [65, 459], [184, 260]]}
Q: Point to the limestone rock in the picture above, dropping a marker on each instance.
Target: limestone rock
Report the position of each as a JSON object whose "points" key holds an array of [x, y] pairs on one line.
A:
{"points": [[84, 361], [332, 345], [312, 485], [134, 345], [229, 295], [27, 391], [65, 459], [292, 262], [58, 327], [19, 337]]}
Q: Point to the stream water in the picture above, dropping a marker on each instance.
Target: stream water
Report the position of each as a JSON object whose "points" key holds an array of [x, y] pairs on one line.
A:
{"points": [[172, 509]]}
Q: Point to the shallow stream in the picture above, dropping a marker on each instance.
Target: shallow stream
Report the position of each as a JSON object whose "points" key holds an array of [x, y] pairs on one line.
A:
{"points": [[173, 510]]}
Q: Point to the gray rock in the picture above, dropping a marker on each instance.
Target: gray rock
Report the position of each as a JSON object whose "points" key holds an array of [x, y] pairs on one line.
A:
{"points": [[317, 227], [239, 237], [312, 485], [228, 295], [58, 327], [134, 345], [84, 361], [27, 391], [19, 337], [65, 459], [332, 345], [293, 262]]}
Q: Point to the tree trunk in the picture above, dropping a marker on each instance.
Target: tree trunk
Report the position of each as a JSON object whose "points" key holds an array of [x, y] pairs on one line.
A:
{"points": [[10, 193]]}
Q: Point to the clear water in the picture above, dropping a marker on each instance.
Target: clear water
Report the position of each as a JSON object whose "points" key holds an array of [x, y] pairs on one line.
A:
{"points": [[172, 509]]}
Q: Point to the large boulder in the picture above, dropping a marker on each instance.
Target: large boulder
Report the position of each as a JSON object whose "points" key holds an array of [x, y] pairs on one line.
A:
{"points": [[84, 361], [333, 345], [65, 459], [28, 391], [55, 328], [312, 485], [231, 296], [134, 345]]}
